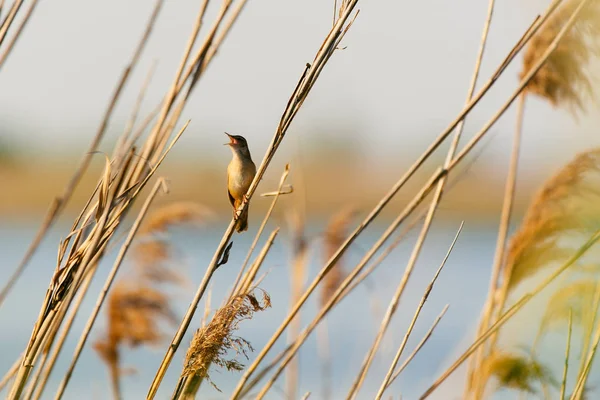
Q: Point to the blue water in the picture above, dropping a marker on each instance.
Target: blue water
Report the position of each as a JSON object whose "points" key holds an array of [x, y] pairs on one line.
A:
{"points": [[352, 325]]}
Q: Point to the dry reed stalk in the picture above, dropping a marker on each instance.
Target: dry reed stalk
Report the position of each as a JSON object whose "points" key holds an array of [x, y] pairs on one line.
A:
{"points": [[475, 382], [347, 290], [39, 382], [297, 280], [212, 343], [583, 376], [419, 346], [59, 203], [512, 311], [261, 229], [561, 81], [333, 237], [10, 373], [10, 18], [115, 194], [18, 32], [436, 197], [88, 246], [160, 184], [437, 175], [307, 81], [249, 279], [563, 384], [393, 306], [416, 165]]}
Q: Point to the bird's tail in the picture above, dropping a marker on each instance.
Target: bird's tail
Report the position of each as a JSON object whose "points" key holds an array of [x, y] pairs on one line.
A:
{"points": [[242, 222]]}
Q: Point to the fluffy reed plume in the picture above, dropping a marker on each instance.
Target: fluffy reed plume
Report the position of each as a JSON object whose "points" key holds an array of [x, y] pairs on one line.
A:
{"points": [[565, 79], [517, 372], [133, 312], [567, 205], [175, 214], [152, 255], [212, 344], [576, 299], [334, 236]]}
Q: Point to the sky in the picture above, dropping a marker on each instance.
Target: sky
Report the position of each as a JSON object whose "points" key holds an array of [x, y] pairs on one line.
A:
{"points": [[402, 78]]}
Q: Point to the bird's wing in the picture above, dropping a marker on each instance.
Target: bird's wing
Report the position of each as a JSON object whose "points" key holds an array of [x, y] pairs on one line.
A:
{"points": [[231, 199]]}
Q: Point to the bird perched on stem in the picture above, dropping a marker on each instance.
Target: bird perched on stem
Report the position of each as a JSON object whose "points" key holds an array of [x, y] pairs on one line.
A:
{"points": [[240, 173]]}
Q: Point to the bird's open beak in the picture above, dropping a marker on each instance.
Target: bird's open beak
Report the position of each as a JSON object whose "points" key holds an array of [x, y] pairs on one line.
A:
{"points": [[231, 140]]}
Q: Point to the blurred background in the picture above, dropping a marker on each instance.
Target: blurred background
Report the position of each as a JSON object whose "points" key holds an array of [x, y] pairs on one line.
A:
{"points": [[402, 77]]}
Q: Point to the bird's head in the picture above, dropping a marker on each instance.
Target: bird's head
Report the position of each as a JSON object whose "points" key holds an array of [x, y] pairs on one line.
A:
{"points": [[238, 144]]}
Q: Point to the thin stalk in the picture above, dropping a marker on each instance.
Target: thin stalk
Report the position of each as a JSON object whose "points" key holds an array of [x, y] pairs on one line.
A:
{"points": [[437, 175], [511, 311], [419, 346], [507, 207], [530, 32], [428, 290], [261, 229], [302, 90], [12, 13], [160, 184], [17, 34], [188, 386], [421, 195], [563, 384], [578, 391], [60, 202], [11, 372]]}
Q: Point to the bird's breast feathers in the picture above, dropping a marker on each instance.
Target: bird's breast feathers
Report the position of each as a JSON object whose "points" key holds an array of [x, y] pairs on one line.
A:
{"points": [[240, 177]]}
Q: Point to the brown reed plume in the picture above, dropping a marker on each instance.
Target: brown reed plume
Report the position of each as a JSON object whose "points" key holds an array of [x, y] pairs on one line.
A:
{"points": [[153, 252], [566, 79], [213, 343], [567, 204], [133, 314], [176, 213], [334, 236], [565, 207]]}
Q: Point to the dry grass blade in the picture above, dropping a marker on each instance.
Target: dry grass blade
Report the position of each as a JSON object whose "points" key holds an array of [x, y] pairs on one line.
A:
{"points": [[59, 202], [583, 375], [301, 92], [563, 384], [440, 173], [17, 34], [419, 346], [385, 323], [160, 184], [212, 343], [511, 311]]}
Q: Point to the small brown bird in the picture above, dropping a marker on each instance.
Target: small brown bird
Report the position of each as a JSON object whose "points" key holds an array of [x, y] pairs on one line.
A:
{"points": [[240, 173]]}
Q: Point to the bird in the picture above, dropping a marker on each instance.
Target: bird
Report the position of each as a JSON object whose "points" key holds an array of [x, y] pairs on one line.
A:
{"points": [[240, 174]]}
